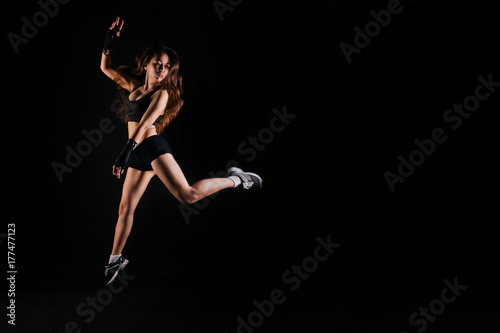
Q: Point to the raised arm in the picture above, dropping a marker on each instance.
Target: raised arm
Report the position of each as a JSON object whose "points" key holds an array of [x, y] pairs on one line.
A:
{"points": [[107, 67]]}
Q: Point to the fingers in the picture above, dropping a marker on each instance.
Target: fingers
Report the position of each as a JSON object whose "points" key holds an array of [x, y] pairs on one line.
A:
{"points": [[117, 171], [115, 23], [120, 28], [118, 24]]}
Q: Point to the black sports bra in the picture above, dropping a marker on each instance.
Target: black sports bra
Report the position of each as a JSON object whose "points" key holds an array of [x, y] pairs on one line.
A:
{"points": [[136, 109]]}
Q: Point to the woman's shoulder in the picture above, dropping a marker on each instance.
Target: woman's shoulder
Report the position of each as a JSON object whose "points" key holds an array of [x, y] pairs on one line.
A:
{"points": [[160, 93]]}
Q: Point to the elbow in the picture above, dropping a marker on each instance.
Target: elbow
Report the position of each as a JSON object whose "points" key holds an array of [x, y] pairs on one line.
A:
{"points": [[104, 68], [108, 71], [139, 132], [103, 65], [107, 68]]}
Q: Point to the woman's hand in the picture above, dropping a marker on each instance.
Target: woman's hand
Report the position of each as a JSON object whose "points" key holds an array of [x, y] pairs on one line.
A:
{"points": [[112, 35], [117, 171], [118, 25], [122, 160]]}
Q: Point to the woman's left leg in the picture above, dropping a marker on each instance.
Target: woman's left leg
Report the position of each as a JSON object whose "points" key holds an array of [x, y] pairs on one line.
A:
{"points": [[134, 186], [170, 173]]}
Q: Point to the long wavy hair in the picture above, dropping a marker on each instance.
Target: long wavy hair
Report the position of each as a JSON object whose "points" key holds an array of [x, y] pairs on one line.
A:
{"points": [[172, 83]]}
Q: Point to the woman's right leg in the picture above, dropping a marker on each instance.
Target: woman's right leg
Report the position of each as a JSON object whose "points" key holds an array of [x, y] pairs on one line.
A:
{"points": [[170, 173], [134, 186]]}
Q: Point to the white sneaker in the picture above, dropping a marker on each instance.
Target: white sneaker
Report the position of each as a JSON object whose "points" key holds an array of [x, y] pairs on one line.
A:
{"points": [[248, 179]]}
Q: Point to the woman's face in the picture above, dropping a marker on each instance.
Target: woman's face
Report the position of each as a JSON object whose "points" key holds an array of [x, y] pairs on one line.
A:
{"points": [[158, 67]]}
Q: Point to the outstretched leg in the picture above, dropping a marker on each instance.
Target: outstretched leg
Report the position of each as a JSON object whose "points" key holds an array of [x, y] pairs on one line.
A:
{"points": [[167, 169], [133, 188]]}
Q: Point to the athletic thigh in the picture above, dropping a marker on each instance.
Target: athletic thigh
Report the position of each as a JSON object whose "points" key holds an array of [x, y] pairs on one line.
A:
{"points": [[170, 173], [134, 186]]}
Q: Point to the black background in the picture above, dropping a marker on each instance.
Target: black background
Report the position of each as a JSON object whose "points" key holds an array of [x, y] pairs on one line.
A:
{"points": [[323, 174]]}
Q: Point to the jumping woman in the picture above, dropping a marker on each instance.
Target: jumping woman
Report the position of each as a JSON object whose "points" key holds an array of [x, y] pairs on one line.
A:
{"points": [[153, 97]]}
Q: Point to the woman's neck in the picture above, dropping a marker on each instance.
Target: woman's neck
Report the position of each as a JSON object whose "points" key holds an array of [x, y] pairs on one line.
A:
{"points": [[148, 85]]}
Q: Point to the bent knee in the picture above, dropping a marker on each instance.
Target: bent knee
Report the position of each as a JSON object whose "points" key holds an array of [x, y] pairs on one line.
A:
{"points": [[188, 196]]}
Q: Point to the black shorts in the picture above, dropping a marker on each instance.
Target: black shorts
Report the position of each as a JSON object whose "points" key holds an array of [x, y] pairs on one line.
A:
{"points": [[148, 150]]}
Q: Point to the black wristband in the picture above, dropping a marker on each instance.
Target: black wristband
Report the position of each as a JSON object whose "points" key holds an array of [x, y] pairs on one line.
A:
{"points": [[109, 40], [122, 159]]}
